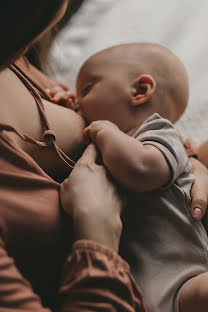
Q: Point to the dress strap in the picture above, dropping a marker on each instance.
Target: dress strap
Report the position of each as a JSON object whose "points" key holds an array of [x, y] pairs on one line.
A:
{"points": [[18, 70], [21, 75], [49, 136]]}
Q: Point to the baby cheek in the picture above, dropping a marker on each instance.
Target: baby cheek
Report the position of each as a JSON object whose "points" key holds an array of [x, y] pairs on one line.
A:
{"points": [[90, 108]]}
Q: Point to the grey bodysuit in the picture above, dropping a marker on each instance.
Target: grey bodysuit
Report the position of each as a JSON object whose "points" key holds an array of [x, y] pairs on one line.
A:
{"points": [[162, 243]]}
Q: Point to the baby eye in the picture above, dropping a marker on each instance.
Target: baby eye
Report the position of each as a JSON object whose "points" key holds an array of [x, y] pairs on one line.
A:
{"points": [[87, 89]]}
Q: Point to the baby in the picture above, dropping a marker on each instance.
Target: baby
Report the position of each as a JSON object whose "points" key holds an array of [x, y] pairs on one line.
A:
{"points": [[131, 94]]}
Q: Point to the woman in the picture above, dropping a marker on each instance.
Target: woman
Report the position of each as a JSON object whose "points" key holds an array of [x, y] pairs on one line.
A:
{"points": [[36, 234]]}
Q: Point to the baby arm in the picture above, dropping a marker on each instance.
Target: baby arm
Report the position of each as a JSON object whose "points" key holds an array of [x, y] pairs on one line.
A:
{"points": [[136, 166]]}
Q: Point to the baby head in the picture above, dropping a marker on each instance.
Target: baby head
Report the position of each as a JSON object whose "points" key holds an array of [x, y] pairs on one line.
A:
{"points": [[125, 84]]}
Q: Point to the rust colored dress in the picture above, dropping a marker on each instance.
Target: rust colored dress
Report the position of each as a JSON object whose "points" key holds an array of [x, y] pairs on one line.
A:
{"points": [[36, 236]]}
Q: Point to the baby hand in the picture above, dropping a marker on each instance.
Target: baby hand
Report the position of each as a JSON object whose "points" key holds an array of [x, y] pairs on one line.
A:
{"points": [[91, 132], [62, 95]]}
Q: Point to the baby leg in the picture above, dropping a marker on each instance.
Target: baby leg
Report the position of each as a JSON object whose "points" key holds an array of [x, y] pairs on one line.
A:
{"points": [[194, 296]]}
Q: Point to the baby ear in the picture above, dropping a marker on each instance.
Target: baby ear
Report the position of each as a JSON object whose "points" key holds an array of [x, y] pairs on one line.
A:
{"points": [[143, 88]]}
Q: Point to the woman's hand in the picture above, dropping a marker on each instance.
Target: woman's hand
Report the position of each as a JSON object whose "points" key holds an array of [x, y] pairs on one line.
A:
{"points": [[93, 201], [199, 191]]}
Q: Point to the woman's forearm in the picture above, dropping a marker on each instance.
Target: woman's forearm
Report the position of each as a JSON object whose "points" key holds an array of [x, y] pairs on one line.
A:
{"points": [[95, 277], [203, 153], [199, 191]]}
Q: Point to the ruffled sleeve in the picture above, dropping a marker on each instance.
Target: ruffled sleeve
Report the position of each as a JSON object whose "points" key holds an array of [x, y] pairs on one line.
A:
{"points": [[160, 132], [94, 279], [97, 279]]}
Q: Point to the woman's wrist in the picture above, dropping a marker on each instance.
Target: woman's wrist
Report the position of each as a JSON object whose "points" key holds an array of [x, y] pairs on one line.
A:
{"points": [[106, 232]]}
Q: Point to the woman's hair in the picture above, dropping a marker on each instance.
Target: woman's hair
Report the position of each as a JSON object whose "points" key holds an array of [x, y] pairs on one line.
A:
{"points": [[21, 21]]}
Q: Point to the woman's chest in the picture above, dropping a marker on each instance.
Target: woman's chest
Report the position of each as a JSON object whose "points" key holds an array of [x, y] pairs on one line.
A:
{"points": [[19, 109], [31, 213]]}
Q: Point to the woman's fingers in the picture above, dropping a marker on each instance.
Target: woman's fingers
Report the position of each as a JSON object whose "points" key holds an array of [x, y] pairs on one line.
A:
{"points": [[199, 191], [90, 155], [199, 203], [93, 200]]}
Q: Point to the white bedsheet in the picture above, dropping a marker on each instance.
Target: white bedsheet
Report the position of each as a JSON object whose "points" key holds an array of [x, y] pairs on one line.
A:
{"points": [[181, 25]]}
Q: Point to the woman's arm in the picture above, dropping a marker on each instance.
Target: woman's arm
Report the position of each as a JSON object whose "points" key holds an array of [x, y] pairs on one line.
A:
{"points": [[93, 201], [95, 205], [94, 276], [199, 191]]}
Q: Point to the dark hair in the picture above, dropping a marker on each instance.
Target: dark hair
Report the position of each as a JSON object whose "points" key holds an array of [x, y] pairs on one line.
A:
{"points": [[21, 21]]}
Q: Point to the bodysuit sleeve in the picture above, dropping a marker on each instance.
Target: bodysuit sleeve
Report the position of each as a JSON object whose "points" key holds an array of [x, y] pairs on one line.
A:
{"points": [[160, 132], [94, 279]]}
